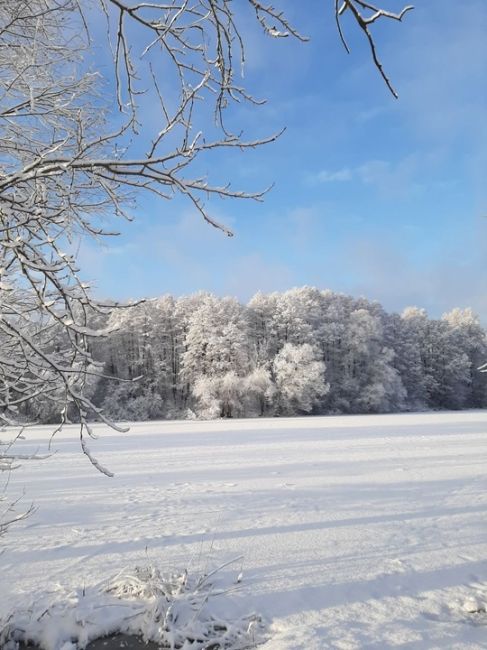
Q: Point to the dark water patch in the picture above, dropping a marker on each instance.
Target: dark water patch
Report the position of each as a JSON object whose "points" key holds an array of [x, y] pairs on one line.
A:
{"points": [[117, 641], [112, 642]]}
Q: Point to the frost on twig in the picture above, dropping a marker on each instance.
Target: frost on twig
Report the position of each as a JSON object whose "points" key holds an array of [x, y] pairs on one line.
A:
{"points": [[365, 15]]}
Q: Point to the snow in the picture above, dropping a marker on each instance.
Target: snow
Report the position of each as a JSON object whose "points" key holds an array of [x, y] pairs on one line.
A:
{"points": [[355, 531]]}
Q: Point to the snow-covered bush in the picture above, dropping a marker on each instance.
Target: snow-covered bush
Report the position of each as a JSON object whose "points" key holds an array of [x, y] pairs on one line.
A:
{"points": [[174, 610]]}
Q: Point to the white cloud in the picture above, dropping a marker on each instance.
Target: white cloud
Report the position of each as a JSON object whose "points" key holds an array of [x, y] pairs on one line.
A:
{"points": [[341, 175], [390, 178]]}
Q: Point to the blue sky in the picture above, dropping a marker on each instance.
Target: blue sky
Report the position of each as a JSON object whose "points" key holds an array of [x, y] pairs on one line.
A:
{"points": [[372, 196]]}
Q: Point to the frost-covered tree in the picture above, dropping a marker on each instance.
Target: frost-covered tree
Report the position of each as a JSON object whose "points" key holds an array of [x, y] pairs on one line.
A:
{"points": [[261, 389], [371, 382], [332, 337], [220, 396], [300, 378], [451, 367], [264, 327], [216, 341], [439, 359], [417, 355], [469, 339], [141, 351], [400, 335], [216, 345]]}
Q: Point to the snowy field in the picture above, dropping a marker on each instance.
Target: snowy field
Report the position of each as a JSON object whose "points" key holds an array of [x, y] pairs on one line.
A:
{"points": [[355, 532]]}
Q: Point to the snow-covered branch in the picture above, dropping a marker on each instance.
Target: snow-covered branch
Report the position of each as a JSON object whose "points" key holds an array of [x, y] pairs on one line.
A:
{"points": [[365, 15]]}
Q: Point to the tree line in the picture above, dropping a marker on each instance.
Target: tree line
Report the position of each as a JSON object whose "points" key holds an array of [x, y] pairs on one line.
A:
{"points": [[304, 351]]}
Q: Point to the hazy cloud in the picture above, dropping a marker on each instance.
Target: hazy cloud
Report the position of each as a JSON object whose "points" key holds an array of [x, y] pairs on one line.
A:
{"points": [[332, 177], [390, 178]]}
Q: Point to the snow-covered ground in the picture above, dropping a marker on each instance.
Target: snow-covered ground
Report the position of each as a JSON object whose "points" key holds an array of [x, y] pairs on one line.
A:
{"points": [[356, 532]]}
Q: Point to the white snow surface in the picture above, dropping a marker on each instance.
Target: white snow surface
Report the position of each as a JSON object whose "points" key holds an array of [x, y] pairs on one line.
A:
{"points": [[355, 531]]}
